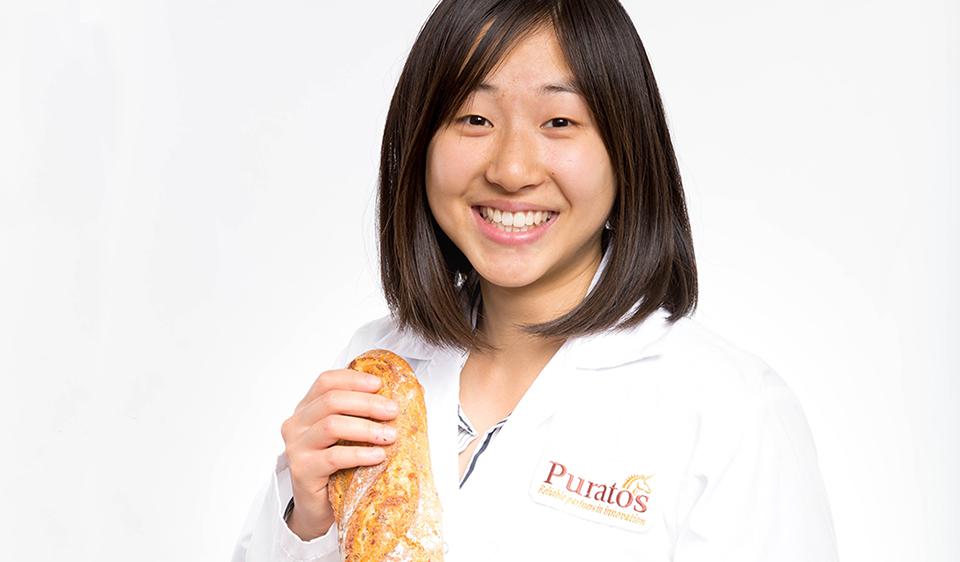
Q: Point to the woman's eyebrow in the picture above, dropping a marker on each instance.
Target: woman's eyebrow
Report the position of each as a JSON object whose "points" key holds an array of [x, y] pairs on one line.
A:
{"points": [[565, 87]]}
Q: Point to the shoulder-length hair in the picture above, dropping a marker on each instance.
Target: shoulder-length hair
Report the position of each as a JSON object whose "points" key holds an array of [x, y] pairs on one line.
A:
{"points": [[651, 261]]}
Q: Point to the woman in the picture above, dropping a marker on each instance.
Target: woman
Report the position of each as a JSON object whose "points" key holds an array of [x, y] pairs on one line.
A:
{"points": [[537, 260]]}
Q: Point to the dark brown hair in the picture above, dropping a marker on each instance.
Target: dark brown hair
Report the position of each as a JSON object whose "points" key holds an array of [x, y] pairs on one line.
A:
{"points": [[651, 261]]}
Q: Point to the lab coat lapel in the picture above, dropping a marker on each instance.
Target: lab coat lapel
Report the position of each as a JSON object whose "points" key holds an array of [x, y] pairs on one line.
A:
{"points": [[567, 374], [552, 387], [559, 380]]}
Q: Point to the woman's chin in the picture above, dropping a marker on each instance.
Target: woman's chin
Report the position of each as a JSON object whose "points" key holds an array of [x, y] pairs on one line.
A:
{"points": [[506, 280]]}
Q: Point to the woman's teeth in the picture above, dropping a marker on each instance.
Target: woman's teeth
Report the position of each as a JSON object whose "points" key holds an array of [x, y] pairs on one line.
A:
{"points": [[515, 222]]}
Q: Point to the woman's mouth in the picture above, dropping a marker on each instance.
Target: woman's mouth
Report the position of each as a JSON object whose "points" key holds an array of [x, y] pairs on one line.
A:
{"points": [[513, 228], [515, 222]]}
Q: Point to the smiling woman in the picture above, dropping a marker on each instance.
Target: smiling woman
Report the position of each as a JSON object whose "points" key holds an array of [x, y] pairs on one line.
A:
{"points": [[537, 260], [534, 147], [550, 106]]}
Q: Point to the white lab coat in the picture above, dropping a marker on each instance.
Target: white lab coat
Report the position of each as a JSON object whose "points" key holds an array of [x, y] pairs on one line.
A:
{"points": [[712, 446]]}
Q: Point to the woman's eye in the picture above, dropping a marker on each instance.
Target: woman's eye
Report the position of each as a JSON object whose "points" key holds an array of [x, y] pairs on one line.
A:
{"points": [[561, 121], [480, 121], [474, 120]]}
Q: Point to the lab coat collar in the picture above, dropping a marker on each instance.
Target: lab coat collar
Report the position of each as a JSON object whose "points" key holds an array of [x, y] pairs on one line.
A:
{"points": [[619, 346], [407, 344], [597, 351]]}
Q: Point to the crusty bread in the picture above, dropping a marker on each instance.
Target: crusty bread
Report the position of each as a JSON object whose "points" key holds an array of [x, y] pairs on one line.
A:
{"points": [[391, 511]]}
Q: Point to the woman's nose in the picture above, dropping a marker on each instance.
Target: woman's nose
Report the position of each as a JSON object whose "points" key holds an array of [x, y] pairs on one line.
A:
{"points": [[515, 162]]}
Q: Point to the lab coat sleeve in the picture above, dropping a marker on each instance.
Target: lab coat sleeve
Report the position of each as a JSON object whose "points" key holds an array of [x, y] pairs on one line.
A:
{"points": [[756, 490], [265, 536]]}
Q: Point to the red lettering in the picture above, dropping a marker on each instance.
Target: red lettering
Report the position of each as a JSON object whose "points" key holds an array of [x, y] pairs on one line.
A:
{"points": [[609, 498], [553, 472], [601, 493], [641, 501], [570, 478]]}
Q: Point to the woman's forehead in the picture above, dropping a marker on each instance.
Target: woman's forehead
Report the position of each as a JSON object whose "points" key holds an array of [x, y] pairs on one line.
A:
{"points": [[533, 62], [563, 85], [542, 35]]}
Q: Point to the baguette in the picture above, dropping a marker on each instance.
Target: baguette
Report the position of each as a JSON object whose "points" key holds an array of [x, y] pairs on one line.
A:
{"points": [[391, 511]]}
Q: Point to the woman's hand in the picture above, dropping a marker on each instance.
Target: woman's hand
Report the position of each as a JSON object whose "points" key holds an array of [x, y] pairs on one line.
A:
{"points": [[341, 405]]}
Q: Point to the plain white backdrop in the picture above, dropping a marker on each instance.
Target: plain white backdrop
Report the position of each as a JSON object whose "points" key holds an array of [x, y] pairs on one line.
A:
{"points": [[186, 241]]}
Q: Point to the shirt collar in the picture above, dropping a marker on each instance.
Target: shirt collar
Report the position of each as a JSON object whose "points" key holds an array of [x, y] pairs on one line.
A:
{"points": [[597, 351]]}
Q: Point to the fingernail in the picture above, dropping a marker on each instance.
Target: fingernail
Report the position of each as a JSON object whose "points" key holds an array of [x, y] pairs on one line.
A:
{"points": [[373, 381], [373, 453], [388, 433], [390, 407]]}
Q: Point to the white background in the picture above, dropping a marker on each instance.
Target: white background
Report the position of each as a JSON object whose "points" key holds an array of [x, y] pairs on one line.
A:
{"points": [[186, 240]]}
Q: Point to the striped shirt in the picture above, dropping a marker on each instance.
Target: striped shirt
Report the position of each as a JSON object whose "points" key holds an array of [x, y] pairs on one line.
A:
{"points": [[467, 434]]}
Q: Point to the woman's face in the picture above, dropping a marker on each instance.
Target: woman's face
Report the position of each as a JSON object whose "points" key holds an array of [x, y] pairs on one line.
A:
{"points": [[521, 143]]}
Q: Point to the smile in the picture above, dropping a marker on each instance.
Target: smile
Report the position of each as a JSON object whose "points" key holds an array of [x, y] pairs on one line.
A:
{"points": [[515, 221], [513, 228]]}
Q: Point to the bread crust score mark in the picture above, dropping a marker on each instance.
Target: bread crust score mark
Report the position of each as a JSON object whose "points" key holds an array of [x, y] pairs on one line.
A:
{"points": [[391, 511]]}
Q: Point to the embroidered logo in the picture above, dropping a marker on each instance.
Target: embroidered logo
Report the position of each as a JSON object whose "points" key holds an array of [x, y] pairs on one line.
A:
{"points": [[638, 484], [562, 486]]}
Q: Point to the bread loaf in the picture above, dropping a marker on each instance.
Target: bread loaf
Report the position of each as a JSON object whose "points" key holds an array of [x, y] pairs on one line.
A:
{"points": [[391, 511]]}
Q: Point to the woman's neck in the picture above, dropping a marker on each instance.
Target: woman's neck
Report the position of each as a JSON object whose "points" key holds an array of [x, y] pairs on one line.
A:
{"points": [[504, 308], [492, 383]]}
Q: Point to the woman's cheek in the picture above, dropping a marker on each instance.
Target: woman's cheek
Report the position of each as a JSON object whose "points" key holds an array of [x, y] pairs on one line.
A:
{"points": [[587, 169], [449, 166]]}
